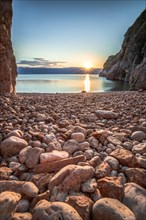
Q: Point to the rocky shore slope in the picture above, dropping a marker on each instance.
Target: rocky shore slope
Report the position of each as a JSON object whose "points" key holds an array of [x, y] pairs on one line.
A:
{"points": [[73, 156], [129, 64]]}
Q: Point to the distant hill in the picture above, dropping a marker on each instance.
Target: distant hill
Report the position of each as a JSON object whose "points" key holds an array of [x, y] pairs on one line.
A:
{"points": [[67, 70]]}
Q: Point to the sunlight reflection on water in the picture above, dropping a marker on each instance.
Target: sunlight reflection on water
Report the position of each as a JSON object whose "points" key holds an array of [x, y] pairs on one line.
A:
{"points": [[87, 83]]}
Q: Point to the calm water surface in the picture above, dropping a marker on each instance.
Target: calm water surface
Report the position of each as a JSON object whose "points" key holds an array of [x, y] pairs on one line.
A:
{"points": [[63, 83]]}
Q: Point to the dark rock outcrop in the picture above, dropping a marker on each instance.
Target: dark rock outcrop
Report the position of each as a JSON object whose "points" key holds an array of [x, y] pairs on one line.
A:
{"points": [[130, 63], [8, 68]]}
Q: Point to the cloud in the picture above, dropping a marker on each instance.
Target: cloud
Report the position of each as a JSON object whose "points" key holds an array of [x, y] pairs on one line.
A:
{"points": [[40, 62]]}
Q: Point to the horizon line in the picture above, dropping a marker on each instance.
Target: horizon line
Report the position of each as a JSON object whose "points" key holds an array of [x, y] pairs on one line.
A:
{"points": [[56, 67]]}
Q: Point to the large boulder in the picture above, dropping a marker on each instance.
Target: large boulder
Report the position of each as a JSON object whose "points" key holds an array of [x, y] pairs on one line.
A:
{"points": [[24, 188], [56, 210], [33, 157], [111, 209], [71, 176], [41, 180], [134, 198], [57, 165], [11, 185], [52, 156], [125, 157], [12, 146], [136, 175], [111, 187], [82, 204], [8, 204]]}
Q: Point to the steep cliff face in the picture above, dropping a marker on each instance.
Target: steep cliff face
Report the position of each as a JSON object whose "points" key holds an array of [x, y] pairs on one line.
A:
{"points": [[130, 63], [8, 68]]}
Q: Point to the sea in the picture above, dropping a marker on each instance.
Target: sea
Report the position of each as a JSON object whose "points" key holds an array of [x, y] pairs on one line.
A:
{"points": [[67, 83]]}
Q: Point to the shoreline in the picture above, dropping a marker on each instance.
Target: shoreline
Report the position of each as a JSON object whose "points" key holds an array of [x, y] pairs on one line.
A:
{"points": [[82, 92], [75, 93]]}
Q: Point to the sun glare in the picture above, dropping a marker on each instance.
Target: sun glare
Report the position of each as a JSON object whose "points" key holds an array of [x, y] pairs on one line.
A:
{"points": [[87, 65]]}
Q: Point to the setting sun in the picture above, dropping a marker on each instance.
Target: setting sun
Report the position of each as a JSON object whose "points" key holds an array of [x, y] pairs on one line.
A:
{"points": [[87, 65]]}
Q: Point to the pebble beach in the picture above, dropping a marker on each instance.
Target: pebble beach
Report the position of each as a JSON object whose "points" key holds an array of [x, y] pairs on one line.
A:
{"points": [[73, 156]]}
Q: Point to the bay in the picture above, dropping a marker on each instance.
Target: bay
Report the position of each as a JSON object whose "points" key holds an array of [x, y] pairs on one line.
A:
{"points": [[66, 83]]}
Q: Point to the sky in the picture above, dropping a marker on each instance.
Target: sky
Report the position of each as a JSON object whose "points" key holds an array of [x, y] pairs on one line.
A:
{"points": [[71, 33]]}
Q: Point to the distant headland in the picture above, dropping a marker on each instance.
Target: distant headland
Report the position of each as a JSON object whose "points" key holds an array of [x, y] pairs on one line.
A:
{"points": [[66, 70]]}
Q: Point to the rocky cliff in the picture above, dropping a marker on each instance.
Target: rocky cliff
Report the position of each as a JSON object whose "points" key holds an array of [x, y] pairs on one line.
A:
{"points": [[8, 68], [130, 63]]}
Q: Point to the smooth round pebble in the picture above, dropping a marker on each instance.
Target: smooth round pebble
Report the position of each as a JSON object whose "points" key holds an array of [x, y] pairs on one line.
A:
{"points": [[113, 162], [89, 154], [114, 173], [23, 205], [138, 136], [78, 136], [30, 189]]}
